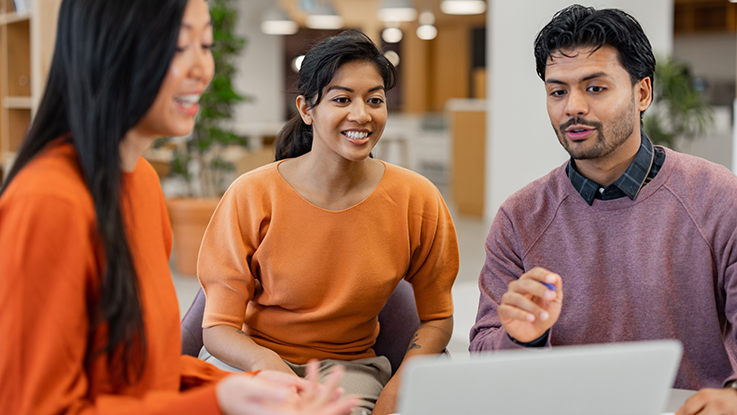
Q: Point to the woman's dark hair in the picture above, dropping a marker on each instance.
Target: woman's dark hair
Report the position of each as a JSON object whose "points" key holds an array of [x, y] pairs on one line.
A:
{"points": [[318, 68], [577, 26], [109, 62]]}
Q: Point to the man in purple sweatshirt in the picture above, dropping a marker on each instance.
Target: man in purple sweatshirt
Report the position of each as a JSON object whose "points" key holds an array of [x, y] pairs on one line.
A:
{"points": [[641, 239]]}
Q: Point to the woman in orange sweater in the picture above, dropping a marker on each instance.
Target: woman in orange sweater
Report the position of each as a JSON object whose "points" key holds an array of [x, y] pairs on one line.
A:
{"points": [[88, 313], [302, 254]]}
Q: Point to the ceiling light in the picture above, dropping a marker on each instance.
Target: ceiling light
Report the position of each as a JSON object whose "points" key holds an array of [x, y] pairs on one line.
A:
{"points": [[396, 11], [463, 6], [323, 16], [392, 57], [427, 18], [427, 32], [276, 22], [297, 63], [392, 35]]}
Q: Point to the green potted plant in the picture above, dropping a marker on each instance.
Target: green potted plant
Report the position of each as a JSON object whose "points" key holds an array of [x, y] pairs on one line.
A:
{"points": [[198, 160], [678, 109]]}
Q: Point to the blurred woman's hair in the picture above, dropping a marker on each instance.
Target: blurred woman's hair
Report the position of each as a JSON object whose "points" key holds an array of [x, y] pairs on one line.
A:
{"points": [[318, 68], [109, 62]]}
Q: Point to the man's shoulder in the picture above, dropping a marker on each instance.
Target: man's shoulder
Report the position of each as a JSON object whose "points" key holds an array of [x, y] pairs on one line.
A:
{"points": [[546, 192], [692, 175]]}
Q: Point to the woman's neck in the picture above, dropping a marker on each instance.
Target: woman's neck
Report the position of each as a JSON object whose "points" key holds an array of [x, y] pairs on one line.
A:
{"points": [[132, 147], [332, 184]]}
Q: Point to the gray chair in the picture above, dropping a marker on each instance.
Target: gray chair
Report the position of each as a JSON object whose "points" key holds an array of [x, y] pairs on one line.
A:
{"points": [[398, 321]]}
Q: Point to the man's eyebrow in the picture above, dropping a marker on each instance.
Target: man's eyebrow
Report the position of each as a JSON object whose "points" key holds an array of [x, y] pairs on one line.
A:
{"points": [[594, 75], [584, 79]]}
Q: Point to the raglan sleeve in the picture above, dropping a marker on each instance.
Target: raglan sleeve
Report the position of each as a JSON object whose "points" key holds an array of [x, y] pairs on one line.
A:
{"points": [[223, 266], [502, 265], [435, 259]]}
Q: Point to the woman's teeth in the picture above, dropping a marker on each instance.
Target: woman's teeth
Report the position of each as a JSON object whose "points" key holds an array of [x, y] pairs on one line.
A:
{"points": [[187, 101], [354, 135]]}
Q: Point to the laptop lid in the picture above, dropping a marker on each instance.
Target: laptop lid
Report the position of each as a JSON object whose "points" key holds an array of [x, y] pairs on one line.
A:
{"points": [[617, 379]]}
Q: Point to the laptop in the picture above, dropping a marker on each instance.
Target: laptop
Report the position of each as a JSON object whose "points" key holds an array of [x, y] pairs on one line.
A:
{"points": [[618, 379]]}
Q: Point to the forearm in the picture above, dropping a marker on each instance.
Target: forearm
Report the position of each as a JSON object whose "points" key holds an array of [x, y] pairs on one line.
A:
{"points": [[236, 348], [431, 337]]}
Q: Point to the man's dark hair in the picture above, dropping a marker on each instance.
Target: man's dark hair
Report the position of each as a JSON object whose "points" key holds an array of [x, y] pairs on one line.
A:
{"points": [[577, 26]]}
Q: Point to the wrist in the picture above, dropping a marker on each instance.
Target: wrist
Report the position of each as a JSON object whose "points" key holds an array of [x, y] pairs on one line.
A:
{"points": [[732, 384], [541, 341]]}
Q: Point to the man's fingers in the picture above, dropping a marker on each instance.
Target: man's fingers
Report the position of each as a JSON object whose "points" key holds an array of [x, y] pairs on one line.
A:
{"points": [[693, 405], [534, 287], [524, 304]]}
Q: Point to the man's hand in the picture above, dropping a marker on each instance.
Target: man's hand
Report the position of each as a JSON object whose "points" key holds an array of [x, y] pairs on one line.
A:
{"points": [[529, 308], [711, 402]]}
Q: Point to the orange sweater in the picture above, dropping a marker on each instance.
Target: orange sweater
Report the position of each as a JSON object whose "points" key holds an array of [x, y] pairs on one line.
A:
{"points": [[50, 271], [324, 275]]}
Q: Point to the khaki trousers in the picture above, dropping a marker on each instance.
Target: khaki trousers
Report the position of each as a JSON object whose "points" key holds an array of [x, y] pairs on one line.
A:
{"points": [[364, 378]]}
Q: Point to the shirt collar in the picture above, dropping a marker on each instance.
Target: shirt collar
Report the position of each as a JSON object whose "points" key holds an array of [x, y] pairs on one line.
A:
{"points": [[628, 184]]}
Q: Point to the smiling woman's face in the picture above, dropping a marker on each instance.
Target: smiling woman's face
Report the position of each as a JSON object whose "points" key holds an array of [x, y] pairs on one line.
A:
{"points": [[190, 71], [350, 117]]}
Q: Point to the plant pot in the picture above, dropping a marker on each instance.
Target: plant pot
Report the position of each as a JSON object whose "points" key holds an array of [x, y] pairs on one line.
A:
{"points": [[189, 219]]}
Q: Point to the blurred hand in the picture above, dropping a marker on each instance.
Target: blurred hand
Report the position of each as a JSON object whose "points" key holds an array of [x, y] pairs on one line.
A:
{"points": [[529, 308], [276, 393], [711, 402]]}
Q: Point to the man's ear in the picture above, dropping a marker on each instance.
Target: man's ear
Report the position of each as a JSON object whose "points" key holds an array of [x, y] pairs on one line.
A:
{"points": [[643, 91]]}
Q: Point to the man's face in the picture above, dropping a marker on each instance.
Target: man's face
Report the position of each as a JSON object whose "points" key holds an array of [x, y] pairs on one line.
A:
{"points": [[592, 104]]}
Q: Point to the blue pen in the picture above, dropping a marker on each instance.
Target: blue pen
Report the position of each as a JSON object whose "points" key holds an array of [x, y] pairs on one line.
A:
{"points": [[551, 287]]}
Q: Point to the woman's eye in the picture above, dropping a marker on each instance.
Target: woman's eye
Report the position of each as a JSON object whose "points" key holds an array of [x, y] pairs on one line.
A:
{"points": [[207, 46], [181, 48], [340, 100], [376, 101]]}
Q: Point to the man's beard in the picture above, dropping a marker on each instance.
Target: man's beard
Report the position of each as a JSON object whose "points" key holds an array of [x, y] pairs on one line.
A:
{"points": [[621, 129]]}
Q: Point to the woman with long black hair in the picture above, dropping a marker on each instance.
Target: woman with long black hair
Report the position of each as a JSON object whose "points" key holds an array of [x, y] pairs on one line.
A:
{"points": [[88, 313]]}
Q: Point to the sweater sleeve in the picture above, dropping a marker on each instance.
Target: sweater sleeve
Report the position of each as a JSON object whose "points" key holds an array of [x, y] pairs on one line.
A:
{"points": [[503, 264], [729, 256], [223, 266], [49, 269], [435, 261]]}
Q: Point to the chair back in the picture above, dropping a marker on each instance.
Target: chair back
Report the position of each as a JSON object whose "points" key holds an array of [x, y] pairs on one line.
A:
{"points": [[398, 321]]}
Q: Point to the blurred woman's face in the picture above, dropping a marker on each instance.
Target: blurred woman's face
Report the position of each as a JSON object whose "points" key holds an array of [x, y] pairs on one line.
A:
{"points": [[190, 71]]}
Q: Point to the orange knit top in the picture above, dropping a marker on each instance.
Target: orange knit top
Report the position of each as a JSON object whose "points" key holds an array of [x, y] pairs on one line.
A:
{"points": [[50, 272], [308, 282]]}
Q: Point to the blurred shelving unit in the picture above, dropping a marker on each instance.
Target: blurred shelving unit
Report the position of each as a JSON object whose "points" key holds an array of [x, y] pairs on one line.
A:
{"points": [[26, 45]]}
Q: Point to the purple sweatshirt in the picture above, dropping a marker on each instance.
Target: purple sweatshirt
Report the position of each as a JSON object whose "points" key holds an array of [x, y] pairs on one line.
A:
{"points": [[663, 266]]}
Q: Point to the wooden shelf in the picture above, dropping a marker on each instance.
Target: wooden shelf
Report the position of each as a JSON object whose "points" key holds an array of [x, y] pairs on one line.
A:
{"points": [[18, 102], [26, 46], [13, 17]]}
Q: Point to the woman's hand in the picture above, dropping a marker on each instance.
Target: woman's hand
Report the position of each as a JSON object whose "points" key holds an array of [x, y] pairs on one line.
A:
{"points": [[275, 393]]}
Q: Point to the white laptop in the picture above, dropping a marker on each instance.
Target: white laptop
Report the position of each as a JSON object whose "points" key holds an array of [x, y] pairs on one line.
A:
{"points": [[617, 379]]}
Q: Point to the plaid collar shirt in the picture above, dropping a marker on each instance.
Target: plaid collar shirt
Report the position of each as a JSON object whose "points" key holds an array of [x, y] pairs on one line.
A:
{"points": [[644, 167]]}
